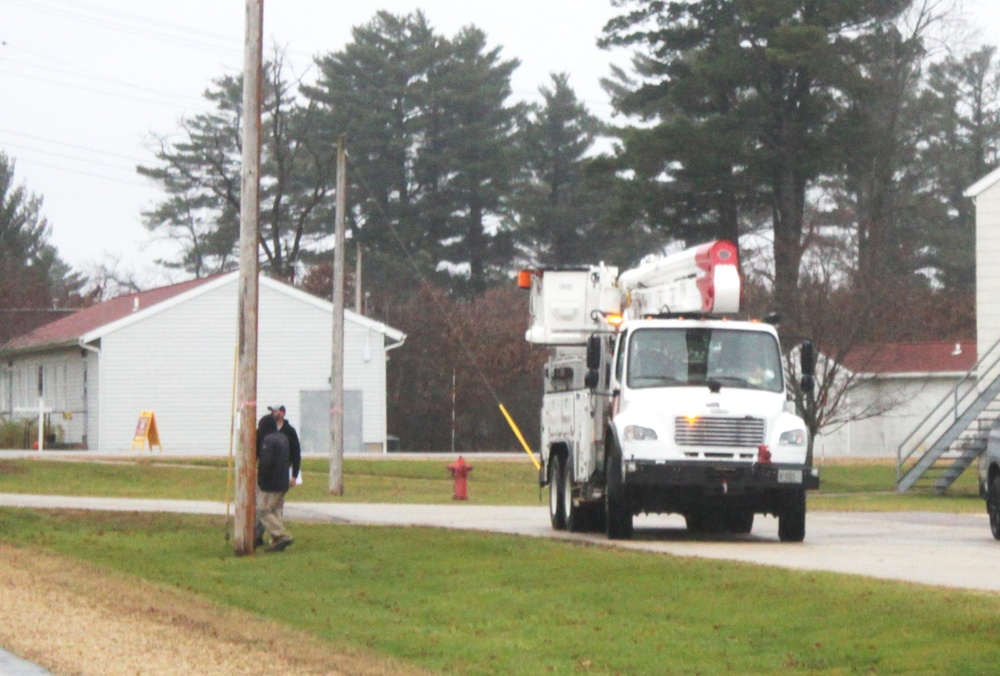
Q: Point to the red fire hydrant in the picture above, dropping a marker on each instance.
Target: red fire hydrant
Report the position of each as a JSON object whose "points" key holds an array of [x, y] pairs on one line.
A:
{"points": [[460, 471]]}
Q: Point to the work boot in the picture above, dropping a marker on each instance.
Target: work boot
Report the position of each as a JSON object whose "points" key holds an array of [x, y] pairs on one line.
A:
{"points": [[279, 545]]}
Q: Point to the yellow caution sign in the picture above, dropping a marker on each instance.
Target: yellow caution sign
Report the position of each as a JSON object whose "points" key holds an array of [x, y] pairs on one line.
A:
{"points": [[146, 432]]}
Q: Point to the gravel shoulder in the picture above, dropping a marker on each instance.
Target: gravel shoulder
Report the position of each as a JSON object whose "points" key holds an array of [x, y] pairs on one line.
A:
{"points": [[72, 618]]}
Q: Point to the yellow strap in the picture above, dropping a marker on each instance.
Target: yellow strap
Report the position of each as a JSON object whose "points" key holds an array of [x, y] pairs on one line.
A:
{"points": [[517, 432]]}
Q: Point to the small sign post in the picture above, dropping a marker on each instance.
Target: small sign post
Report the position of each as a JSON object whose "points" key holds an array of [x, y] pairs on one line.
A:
{"points": [[146, 432]]}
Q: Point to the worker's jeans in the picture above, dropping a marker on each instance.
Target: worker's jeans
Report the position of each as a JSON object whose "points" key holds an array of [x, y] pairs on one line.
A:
{"points": [[269, 509]]}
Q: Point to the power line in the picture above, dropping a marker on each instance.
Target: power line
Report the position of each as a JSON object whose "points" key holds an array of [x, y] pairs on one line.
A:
{"points": [[136, 28], [92, 90], [69, 145], [77, 73], [139, 25], [88, 174], [70, 157]]}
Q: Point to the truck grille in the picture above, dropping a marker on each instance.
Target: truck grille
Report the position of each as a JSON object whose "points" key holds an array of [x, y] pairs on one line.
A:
{"points": [[718, 431]]}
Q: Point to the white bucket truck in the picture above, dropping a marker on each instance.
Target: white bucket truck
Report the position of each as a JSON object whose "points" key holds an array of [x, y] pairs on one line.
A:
{"points": [[656, 402]]}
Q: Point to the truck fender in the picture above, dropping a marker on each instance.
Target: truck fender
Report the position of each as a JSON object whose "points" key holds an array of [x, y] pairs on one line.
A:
{"points": [[562, 449], [612, 445]]}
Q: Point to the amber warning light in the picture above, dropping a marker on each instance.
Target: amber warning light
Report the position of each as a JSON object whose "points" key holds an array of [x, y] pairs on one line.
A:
{"points": [[524, 279]]}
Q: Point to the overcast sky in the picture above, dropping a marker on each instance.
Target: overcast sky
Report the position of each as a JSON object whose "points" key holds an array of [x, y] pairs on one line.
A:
{"points": [[84, 82]]}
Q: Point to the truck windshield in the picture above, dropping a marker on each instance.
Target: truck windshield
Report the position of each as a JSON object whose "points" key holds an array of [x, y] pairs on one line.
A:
{"points": [[678, 357]]}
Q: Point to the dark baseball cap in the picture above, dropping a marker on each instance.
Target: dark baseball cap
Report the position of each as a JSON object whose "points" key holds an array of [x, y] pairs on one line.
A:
{"points": [[279, 407]]}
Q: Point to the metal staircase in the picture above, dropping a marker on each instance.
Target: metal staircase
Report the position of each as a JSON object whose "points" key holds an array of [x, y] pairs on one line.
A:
{"points": [[954, 434]]}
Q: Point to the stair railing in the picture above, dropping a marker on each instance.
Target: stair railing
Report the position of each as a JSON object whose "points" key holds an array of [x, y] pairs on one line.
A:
{"points": [[947, 411]]}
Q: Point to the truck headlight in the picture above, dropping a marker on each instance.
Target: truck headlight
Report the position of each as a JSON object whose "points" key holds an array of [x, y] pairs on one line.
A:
{"points": [[636, 433], [792, 438]]}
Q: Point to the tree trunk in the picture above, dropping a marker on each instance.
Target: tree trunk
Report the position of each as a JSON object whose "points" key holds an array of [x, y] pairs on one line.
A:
{"points": [[788, 202]]}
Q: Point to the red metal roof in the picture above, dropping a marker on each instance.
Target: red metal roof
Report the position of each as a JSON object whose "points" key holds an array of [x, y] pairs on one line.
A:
{"points": [[929, 357], [70, 329]]}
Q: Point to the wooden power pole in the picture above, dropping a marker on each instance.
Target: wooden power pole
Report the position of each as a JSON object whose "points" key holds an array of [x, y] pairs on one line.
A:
{"points": [[337, 349], [246, 379]]}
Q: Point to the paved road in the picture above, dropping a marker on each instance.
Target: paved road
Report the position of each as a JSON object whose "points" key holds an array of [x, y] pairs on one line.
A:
{"points": [[954, 550]]}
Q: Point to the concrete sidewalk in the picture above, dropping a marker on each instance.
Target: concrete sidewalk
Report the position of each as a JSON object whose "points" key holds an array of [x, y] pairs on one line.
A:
{"points": [[12, 665]]}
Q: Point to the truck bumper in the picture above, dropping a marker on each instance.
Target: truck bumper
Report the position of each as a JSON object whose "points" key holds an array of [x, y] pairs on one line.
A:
{"points": [[721, 478], [686, 487]]}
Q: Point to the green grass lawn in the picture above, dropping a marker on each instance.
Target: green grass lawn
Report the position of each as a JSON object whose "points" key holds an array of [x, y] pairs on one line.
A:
{"points": [[469, 603], [465, 602], [844, 487], [398, 481]]}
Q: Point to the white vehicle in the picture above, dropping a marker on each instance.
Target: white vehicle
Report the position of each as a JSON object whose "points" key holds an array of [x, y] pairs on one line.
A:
{"points": [[989, 479], [655, 402]]}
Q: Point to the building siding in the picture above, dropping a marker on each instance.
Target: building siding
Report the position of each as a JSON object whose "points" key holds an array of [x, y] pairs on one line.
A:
{"points": [[987, 268], [880, 437], [305, 365], [61, 375], [178, 360], [177, 363]]}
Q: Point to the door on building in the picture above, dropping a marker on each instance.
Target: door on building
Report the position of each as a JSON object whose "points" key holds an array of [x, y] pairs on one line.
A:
{"points": [[314, 428]]}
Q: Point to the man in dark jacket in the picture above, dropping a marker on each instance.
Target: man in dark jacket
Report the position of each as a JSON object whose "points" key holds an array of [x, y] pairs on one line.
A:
{"points": [[294, 448], [273, 462]]}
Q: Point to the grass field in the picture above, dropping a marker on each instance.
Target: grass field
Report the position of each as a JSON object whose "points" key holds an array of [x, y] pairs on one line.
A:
{"points": [[473, 603], [462, 602]]}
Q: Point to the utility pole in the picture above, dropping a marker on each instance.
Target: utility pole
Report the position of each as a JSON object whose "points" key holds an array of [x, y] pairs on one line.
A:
{"points": [[246, 379], [358, 307], [337, 349]]}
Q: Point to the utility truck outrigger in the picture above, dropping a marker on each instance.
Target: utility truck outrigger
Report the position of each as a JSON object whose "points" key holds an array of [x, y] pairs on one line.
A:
{"points": [[655, 402]]}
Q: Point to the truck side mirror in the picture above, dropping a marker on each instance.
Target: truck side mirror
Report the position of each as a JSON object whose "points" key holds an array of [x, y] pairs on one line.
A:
{"points": [[807, 362], [593, 375], [593, 353]]}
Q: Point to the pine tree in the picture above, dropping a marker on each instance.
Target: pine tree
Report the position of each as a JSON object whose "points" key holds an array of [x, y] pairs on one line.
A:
{"points": [[200, 174], [32, 275], [429, 136], [558, 209], [737, 100]]}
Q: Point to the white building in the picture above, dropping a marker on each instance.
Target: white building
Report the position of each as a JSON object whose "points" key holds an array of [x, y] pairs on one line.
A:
{"points": [[923, 378], [986, 194], [172, 350], [895, 386]]}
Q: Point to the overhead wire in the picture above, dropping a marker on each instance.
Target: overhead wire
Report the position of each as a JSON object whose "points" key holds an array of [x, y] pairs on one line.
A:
{"points": [[170, 97], [134, 25], [45, 68], [32, 162]]}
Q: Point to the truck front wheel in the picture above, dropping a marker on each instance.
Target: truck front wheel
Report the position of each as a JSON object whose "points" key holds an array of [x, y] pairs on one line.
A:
{"points": [[792, 518], [557, 503], [619, 517]]}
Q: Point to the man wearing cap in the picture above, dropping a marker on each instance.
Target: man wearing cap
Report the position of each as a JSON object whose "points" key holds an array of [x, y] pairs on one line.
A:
{"points": [[272, 484], [294, 448], [275, 421]]}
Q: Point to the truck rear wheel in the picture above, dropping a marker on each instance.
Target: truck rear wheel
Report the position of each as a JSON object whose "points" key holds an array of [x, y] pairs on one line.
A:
{"points": [[619, 518], [575, 518], [792, 519], [557, 504]]}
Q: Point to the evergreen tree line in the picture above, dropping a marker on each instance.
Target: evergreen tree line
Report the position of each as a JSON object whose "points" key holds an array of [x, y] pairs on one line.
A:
{"points": [[833, 140]]}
